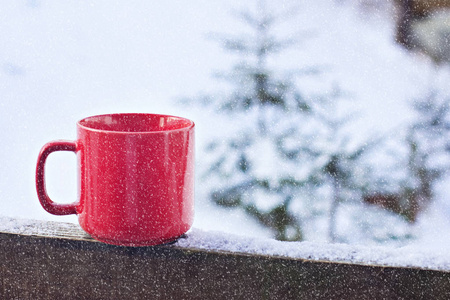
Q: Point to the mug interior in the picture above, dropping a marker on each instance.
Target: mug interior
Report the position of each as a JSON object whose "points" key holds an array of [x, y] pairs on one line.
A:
{"points": [[135, 123]]}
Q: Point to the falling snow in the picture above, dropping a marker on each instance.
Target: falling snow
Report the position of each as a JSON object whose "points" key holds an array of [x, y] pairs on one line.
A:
{"points": [[61, 62]]}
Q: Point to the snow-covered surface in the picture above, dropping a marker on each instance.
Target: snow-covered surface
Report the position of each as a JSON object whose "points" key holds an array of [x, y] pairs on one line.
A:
{"points": [[375, 255], [62, 61], [224, 242]]}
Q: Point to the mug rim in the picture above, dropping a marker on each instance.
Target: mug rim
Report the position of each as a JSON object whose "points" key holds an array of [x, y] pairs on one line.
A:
{"points": [[190, 125]]}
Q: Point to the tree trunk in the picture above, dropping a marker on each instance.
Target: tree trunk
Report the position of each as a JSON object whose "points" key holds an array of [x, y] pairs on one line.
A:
{"points": [[332, 236]]}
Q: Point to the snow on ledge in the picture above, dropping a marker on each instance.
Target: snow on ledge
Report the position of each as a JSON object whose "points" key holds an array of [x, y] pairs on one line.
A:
{"points": [[340, 253], [214, 241]]}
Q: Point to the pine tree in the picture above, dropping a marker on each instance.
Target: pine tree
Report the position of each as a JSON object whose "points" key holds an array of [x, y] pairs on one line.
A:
{"points": [[421, 158], [290, 163], [341, 175], [429, 149], [255, 166]]}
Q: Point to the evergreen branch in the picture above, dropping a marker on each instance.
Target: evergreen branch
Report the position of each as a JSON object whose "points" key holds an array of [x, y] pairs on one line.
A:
{"points": [[255, 21]]}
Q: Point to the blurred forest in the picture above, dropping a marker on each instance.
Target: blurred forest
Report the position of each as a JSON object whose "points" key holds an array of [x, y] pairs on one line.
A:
{"points": [[295, 165]]}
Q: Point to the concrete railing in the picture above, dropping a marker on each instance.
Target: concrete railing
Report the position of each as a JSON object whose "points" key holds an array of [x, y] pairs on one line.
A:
{"points": [[50, 260]]}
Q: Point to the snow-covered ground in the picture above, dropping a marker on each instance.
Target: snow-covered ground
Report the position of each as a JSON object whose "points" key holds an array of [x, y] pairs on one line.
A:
{"points": [[61, 61]]}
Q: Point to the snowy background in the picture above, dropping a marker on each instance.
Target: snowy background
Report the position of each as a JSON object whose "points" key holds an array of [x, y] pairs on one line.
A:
{"points": [[63, 61]]}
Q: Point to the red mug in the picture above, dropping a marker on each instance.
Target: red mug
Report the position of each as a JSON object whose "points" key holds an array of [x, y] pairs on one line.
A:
{"points": [[136, 178]]}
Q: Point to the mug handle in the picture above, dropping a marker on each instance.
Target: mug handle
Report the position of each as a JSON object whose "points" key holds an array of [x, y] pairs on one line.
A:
{"points": [[46, 202]]}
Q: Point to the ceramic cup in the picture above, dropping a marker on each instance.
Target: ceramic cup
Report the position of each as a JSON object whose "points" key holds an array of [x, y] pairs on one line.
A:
{"points": [[136, 178]]}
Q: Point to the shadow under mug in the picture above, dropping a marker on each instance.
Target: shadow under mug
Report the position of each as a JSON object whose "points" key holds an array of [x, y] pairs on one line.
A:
{"points": [[136, 178]]}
